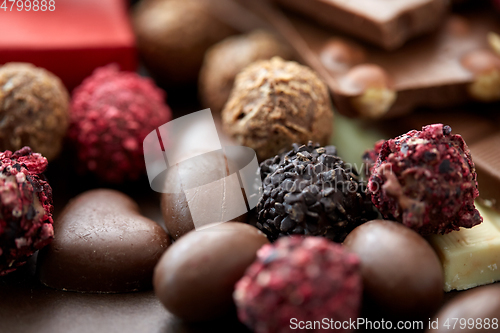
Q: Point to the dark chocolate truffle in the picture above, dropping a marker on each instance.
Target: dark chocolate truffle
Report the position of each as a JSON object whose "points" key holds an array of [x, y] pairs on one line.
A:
{"points": [[226, 59], [25, 207], [173, 35], [111, 114], [275, 103], [34, 109], [426, 180], [402, 275], [306, 279], [195, 278], [102, 245], [311, 191]]}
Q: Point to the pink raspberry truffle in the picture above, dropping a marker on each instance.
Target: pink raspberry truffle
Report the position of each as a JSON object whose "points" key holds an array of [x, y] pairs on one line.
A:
{"points": [[307, 278], [112, 112], [426, 180], [25, 207]]}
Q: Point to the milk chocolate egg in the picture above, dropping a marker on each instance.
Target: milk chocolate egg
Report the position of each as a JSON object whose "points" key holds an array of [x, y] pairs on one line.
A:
{"points": [[402, 275], [476, 310], [102, 244], [195, 277]]}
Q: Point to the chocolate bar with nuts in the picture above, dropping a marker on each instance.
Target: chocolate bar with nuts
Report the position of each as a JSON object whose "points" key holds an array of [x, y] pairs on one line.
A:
{"points": [[388, 24], [455, 65]]}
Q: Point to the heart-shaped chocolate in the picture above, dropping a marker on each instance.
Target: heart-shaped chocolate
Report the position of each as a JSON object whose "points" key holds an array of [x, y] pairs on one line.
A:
{"points": [[102, 244]]}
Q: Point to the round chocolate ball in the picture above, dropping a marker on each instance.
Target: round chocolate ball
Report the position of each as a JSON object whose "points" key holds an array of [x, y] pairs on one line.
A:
{"points": [[275, 103], [311, 191], [196, 171], [34, 109], [226, 59], [195, 277], [173, 35], [480, 306], [402, 275]]}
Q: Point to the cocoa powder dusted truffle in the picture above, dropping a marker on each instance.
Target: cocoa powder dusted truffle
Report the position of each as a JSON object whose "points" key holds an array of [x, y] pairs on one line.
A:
{"points": [[311, 191], [173, 35], [426, 180], [33, 109], [275, 103], [112, 112], [226, 59], [307, 279], [25, 207]]}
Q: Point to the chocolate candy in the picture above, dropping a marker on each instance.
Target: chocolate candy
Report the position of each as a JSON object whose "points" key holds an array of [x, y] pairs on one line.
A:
{"points": [[192, 173], [311, 191], [102, 245], [388, 24], [472, 311], [402, 275], [275, 103], [195, 278], [470, 257], [452, 66]]}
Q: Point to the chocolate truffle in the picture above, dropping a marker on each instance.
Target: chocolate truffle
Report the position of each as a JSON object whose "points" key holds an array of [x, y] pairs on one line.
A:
{"points": [[275, 103], [426, 180], [311, 191], [25, 207], [195, 278], [226, 59], [34, 109], [307, 279], [112, 112], [472, 311], [173, 35], [402, 275], [102, 245]]}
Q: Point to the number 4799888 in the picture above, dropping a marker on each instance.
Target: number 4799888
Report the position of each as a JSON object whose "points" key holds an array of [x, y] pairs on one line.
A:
{"points": [[28, 5]]}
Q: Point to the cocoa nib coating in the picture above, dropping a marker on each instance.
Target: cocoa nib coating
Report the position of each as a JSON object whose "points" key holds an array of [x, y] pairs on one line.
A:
{"points": [[426, 180], [34, 109], [226, 59], [25, 207], [311, 191], [275, 103]]}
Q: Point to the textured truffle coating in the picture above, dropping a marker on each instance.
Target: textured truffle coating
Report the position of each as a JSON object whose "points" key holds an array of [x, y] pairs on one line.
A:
{"points": [[33, 109], [173, 35], [275, 103], [112, 112], [311, 191], [305, 278], [426, 180], [25, 207], [226, 59]]}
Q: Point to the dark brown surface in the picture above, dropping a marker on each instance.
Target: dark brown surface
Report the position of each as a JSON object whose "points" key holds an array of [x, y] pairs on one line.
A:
{"points": [[425, 72], [103, 244], [402, 275], [195, 278], [481, 302], [383, 23]]}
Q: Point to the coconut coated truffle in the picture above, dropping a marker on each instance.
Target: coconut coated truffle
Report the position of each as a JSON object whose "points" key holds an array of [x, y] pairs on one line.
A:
{"points": [[304, 278], [34, 109], [426, 180], [112, 112], [25, 207], [173, 35], [275, 103], [311, 191], [226, 59]]}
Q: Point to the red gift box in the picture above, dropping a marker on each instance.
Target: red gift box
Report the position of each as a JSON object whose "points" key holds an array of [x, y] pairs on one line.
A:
{"points": [[70, 39]]}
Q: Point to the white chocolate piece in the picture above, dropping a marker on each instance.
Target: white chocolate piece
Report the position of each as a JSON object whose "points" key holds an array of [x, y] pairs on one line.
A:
{"points": [[470, 257]]}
